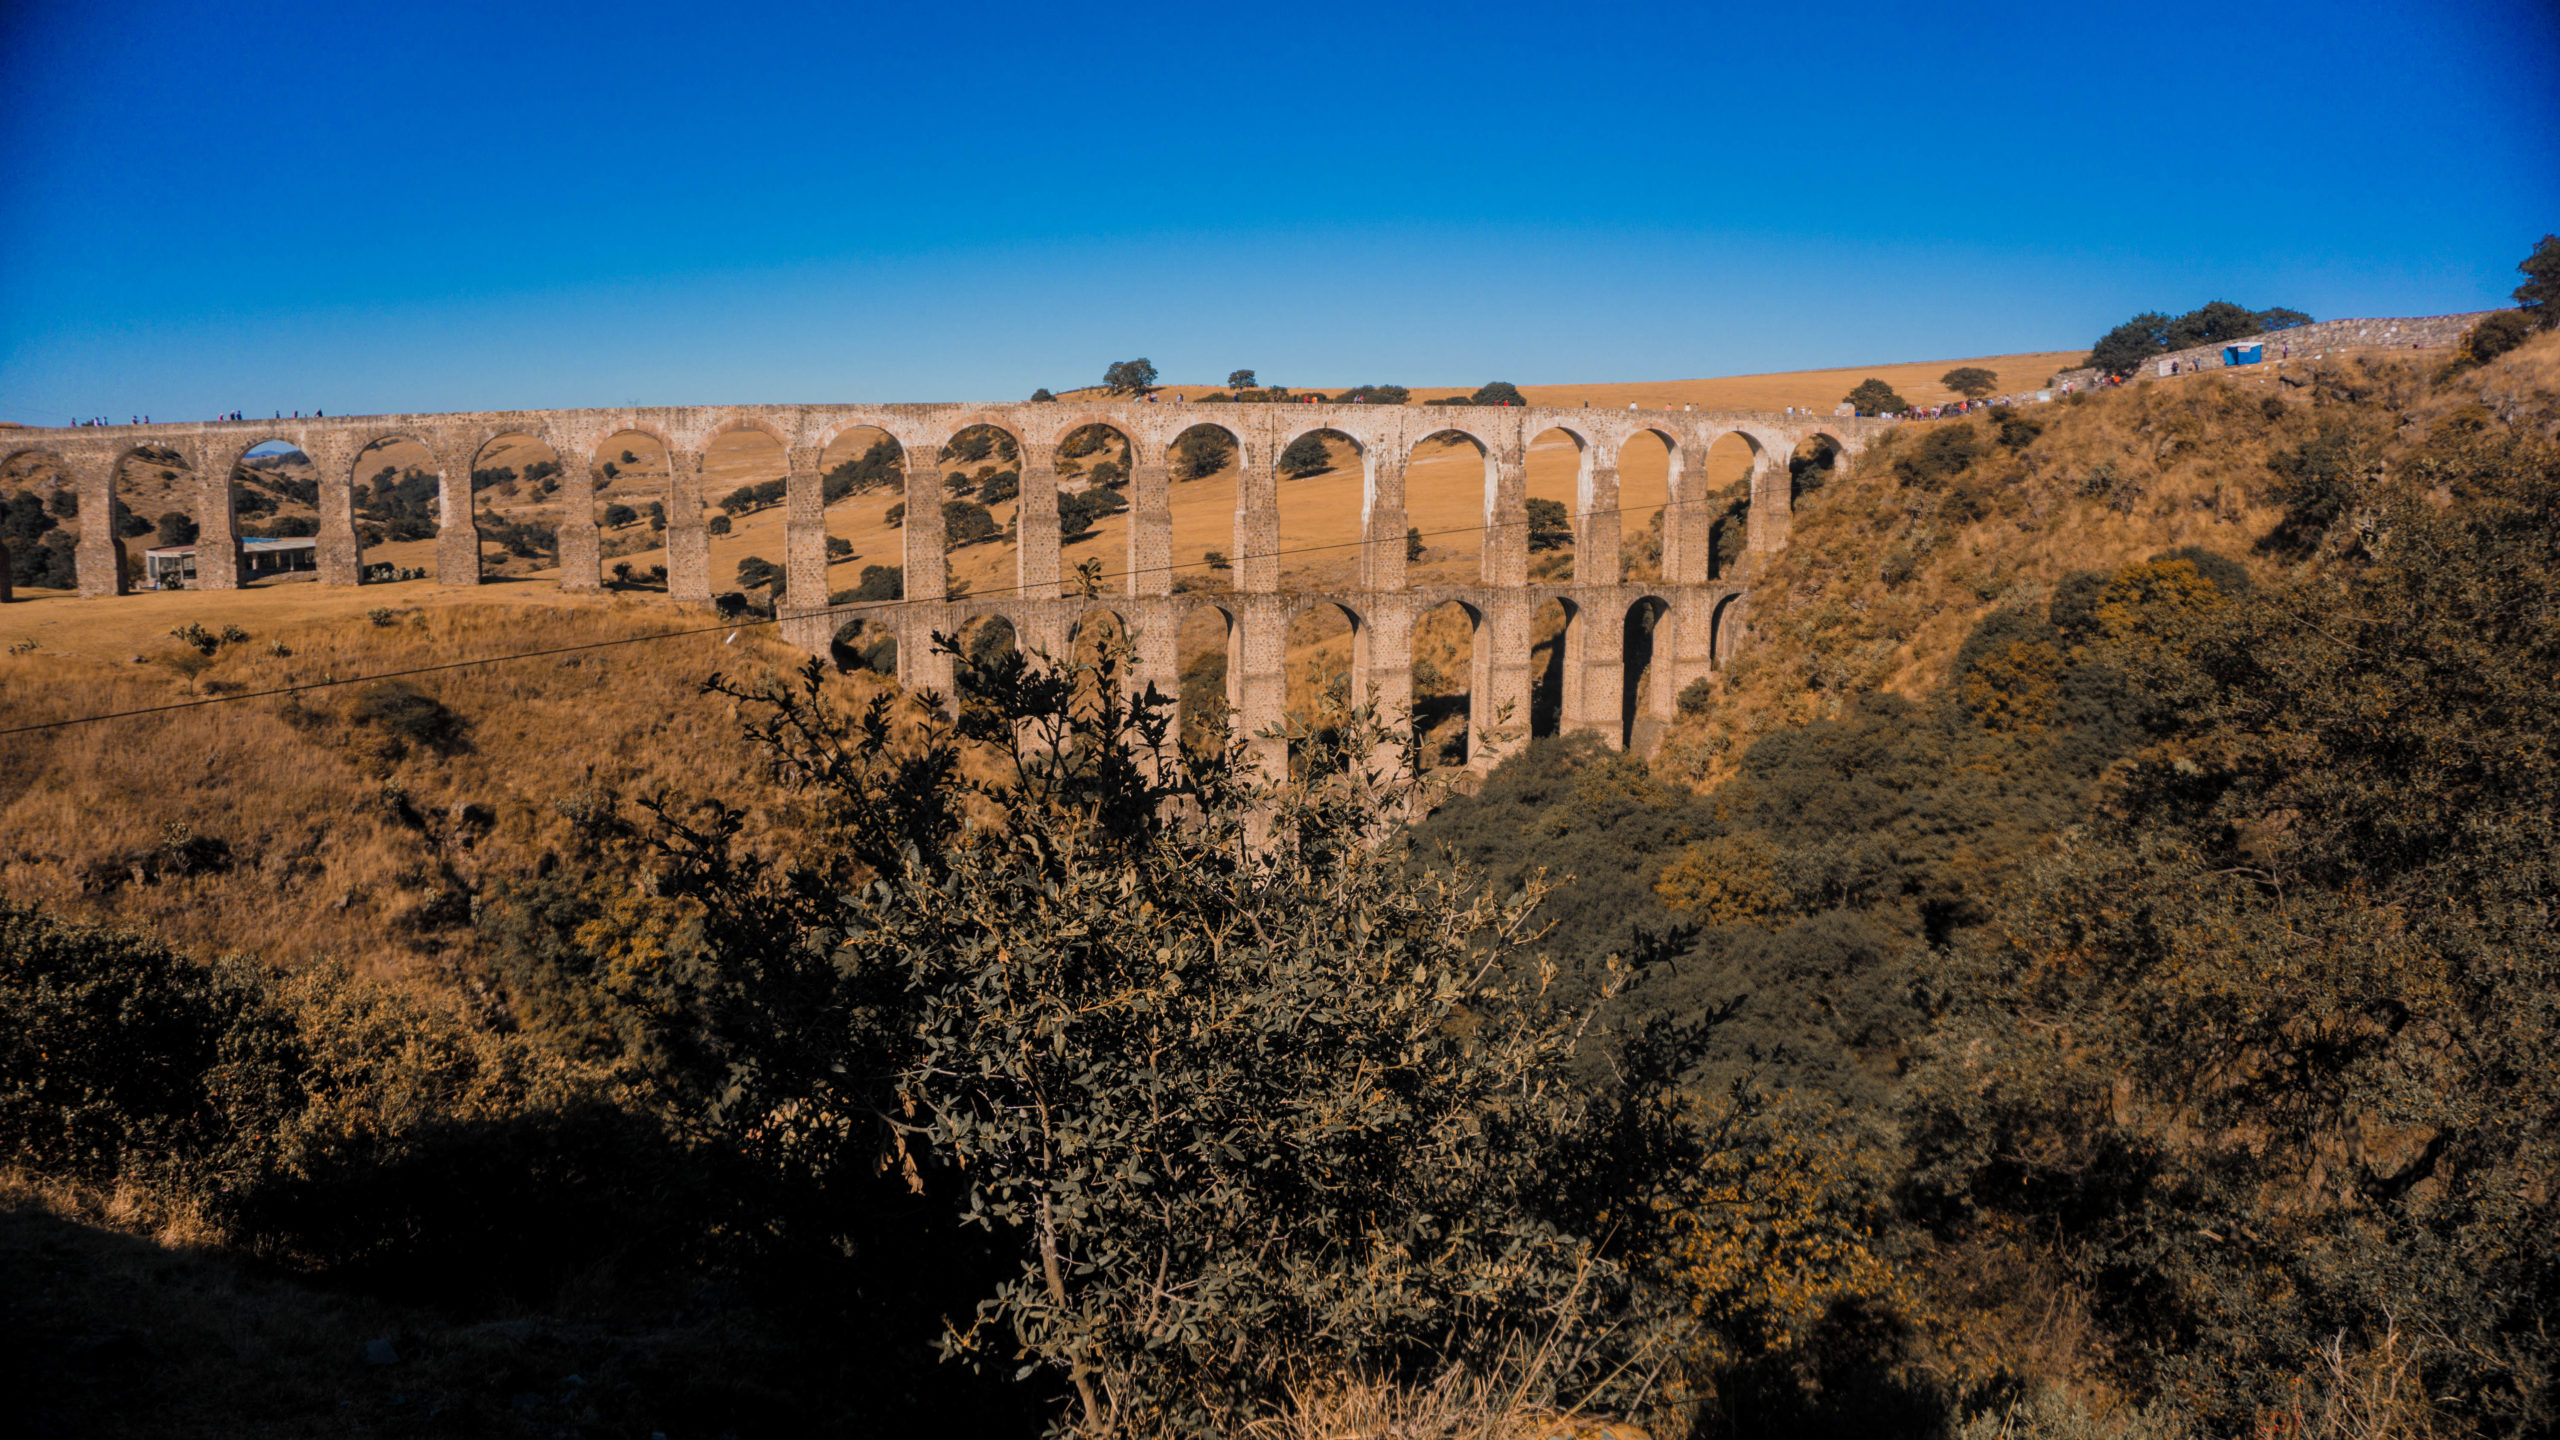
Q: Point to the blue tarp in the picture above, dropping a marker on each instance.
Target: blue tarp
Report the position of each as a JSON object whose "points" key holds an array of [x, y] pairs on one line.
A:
{"points": [[2249, 353]]}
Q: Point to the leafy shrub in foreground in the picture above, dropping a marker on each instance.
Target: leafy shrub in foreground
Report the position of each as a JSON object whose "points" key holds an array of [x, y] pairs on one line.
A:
{"points": [[1243, 1113]]}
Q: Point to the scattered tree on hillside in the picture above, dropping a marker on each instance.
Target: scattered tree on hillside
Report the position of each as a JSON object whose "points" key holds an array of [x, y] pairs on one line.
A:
{"points": [[1305, 456], [762, 495], [1203, 450], [1241, 380], [1550, 524], [1078, 510], [1129, 377], [1874, 397], [617, 516], [965, 522], [1971, 381], [1497, 392], [717, 525], [878, 467], [127, 524], [757, 573], [1042, 396], [177, 528], [2539, 295]]}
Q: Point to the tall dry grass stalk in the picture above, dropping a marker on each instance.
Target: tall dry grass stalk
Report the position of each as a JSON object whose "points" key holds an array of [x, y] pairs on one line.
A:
{"points": [[1459, 1405], [2378, 1392]]}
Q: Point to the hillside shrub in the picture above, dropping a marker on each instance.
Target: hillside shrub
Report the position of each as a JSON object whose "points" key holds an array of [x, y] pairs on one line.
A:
{"points": [[1943, 454], [2264, 1049], [119, 1056]]}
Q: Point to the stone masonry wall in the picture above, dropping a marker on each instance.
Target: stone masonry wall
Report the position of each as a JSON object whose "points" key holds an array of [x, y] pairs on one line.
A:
{"points": [[2319, 338]]}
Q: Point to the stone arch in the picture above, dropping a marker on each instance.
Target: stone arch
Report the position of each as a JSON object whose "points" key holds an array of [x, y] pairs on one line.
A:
{"points": [[1724, 629], [733, 422], [221, 463], [1557, 464], [1320, 689], [1055, 433], [1451, 504], [9, 456], [1437, 702], [575, 541], [623, 485], [983, 638], [1731, 473], [1317, 517], [1816, 459], [1555, 680], [1207, 659], [1646, 461], [373, 473], [1644, 707]]}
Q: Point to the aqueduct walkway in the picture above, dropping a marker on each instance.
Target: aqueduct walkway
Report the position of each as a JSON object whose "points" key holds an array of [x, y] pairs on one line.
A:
{"points": [[1696, 609]]}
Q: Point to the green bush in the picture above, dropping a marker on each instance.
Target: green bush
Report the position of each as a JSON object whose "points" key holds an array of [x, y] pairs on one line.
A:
{"points": [[119, 1056], [1942, 455]]}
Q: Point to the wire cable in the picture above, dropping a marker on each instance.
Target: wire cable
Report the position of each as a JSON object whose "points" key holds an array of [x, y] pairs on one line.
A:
{"points": [[828, 612]]}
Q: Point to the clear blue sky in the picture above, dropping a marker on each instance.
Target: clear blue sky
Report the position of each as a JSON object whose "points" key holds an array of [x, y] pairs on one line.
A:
{"points": [[362, 207]]}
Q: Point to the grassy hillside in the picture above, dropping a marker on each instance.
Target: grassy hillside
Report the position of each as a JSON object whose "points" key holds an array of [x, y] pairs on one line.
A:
{"points": [[1888, 569]]}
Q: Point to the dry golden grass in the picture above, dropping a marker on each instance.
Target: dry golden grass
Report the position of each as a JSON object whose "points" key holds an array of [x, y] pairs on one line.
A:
{"points": [[328, 861], [1917, 380], [2189, 460]]}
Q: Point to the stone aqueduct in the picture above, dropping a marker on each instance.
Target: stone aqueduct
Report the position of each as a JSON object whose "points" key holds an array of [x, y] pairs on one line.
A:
{"points": [[1695, 611]]}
